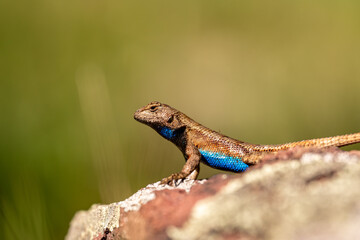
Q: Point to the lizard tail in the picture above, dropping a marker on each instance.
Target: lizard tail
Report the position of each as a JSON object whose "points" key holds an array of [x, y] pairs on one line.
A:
{"points": [[337, 141]]}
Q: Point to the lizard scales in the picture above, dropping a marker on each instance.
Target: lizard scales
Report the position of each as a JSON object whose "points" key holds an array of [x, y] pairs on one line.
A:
{"points": [[201, 144]]}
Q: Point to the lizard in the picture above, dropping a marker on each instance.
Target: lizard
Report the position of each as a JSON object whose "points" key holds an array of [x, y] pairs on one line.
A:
{"points": [[201, 144]]}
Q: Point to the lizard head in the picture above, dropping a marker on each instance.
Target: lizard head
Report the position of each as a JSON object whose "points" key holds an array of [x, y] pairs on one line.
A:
{"points": [[161, 117]]}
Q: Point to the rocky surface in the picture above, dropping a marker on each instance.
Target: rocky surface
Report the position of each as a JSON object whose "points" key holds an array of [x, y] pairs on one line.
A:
{"points": [[296, 194]]}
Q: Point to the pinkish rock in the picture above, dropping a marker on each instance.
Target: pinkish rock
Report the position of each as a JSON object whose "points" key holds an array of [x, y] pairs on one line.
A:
{"points": [[302, 194]]}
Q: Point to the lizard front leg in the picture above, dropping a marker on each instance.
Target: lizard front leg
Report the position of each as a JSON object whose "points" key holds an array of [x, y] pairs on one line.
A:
{"points": [[190, 170]]}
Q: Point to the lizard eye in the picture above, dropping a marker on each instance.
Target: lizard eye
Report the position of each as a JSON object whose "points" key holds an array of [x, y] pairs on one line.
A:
{"points": [[153, 108]]}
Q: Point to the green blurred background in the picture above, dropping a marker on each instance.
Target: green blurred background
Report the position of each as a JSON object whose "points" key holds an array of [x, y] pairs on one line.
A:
{"points": [[73, 72]]}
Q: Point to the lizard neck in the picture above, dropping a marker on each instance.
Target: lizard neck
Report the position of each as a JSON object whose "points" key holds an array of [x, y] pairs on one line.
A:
{"points": [[168, 133]]}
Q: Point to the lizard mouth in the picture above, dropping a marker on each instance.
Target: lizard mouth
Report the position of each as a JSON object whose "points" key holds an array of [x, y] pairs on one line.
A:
{"points": [[137, 116], [140, 116]]}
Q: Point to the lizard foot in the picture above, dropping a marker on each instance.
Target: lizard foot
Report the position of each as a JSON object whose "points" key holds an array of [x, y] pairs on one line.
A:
{"points": [[171, 180]]}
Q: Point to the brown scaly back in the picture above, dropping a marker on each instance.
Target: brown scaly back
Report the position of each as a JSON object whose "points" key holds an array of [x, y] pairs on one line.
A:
{"points": [[201, 144]]}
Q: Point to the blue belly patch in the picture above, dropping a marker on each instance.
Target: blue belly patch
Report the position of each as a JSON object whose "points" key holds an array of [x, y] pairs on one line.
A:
{"points": [[167, 133], [222, 161]]}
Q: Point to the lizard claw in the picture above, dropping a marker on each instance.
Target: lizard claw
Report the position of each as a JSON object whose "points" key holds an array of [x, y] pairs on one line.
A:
{"points": [[171, 180]]}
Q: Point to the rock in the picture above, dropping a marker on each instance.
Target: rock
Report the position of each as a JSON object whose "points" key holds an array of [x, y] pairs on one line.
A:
{"points": [[297, 194]]}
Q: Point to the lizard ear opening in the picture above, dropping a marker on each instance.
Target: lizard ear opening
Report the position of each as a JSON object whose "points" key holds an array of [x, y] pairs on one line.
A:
{"points": [[171, 118], [174, 122]]}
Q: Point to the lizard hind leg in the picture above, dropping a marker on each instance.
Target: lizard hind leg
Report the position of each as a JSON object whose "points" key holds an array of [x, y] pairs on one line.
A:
{"points": [[253, 158]]}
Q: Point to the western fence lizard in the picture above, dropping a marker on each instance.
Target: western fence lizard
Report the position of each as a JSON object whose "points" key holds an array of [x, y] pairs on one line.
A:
{"points": [[201, 144]]}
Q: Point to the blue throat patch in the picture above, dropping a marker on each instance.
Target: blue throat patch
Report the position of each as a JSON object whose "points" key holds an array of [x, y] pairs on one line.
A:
{"points": [[167, 133], [222, 161]]}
